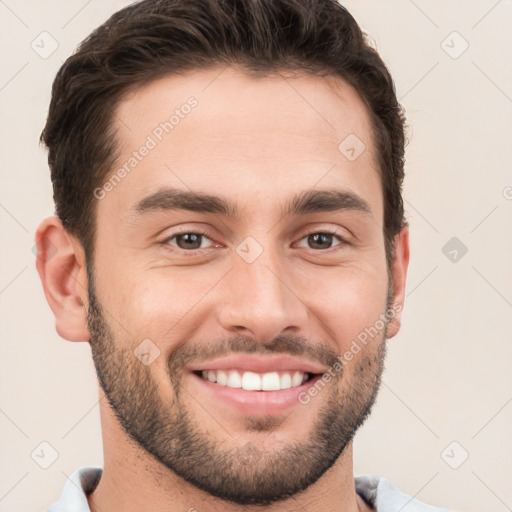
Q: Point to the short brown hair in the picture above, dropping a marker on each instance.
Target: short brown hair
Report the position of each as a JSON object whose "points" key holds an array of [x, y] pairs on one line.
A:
{"points": [[152, 38]]}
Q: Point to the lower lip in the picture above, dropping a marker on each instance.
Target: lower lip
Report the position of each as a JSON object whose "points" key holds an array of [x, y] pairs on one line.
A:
{"points": [[256, 402]]}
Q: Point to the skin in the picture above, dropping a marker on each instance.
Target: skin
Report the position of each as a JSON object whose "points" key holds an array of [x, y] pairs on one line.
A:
{"points": [[257, 142]]}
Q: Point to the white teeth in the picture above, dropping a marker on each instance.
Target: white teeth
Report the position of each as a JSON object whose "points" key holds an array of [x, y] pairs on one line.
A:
{"points": [[286, 381], [297, 378], [251, 381], [234, 379], [270, 382], [222, 378]]}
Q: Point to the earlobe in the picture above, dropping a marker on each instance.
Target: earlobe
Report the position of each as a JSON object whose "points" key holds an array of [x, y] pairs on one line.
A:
{"points": [[61, 266], [399, 272]]}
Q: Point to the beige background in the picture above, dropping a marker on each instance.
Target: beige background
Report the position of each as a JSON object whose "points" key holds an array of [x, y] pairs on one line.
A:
{"points": [[448, 373]]}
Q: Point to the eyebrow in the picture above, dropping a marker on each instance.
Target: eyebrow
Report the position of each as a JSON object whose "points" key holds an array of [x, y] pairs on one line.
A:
{"points": [[311, 201]]}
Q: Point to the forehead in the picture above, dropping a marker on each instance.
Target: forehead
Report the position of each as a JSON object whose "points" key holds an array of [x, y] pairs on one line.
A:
{"points": [[220, 131]]}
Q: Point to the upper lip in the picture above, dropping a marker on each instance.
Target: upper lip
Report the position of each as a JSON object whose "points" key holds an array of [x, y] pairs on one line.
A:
{"points": [[259, 364]]}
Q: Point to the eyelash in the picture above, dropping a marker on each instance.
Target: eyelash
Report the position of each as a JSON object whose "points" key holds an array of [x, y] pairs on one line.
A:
{"points": [[204, 233]]}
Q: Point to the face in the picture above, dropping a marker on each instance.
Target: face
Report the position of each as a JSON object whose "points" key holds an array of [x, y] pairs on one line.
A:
{"points": [[242, 249]]}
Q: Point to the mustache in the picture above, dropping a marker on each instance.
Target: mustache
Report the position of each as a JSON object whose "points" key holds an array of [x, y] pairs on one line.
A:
{"points": [[291, 345]]}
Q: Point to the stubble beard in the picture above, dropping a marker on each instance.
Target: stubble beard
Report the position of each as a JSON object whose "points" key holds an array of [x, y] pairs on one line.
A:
{"points": [[246, 473]]}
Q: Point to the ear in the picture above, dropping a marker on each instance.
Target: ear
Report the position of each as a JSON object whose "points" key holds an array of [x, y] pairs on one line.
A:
{"points": [[399, 273], [61, 266]]}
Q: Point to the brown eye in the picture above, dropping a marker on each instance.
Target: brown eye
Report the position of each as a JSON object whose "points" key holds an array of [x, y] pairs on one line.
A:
{"points": [[188, 241], [320, 241]]}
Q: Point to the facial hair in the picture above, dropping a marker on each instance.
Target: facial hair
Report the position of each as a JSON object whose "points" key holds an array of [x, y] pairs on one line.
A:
{"points": [[249, 473]]}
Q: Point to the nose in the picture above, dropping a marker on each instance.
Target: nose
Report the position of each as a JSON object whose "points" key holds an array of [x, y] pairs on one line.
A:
{"points": [[258, 300]]}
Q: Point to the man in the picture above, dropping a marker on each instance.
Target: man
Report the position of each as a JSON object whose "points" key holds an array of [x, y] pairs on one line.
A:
{"points": [[230, 240]]}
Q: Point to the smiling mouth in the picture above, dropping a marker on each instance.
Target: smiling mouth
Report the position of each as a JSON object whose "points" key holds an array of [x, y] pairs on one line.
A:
{"points": [[252, 381]]}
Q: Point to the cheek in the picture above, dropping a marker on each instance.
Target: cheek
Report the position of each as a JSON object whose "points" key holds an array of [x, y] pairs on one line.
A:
{"points": [[347, 303], [157, 303]]}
